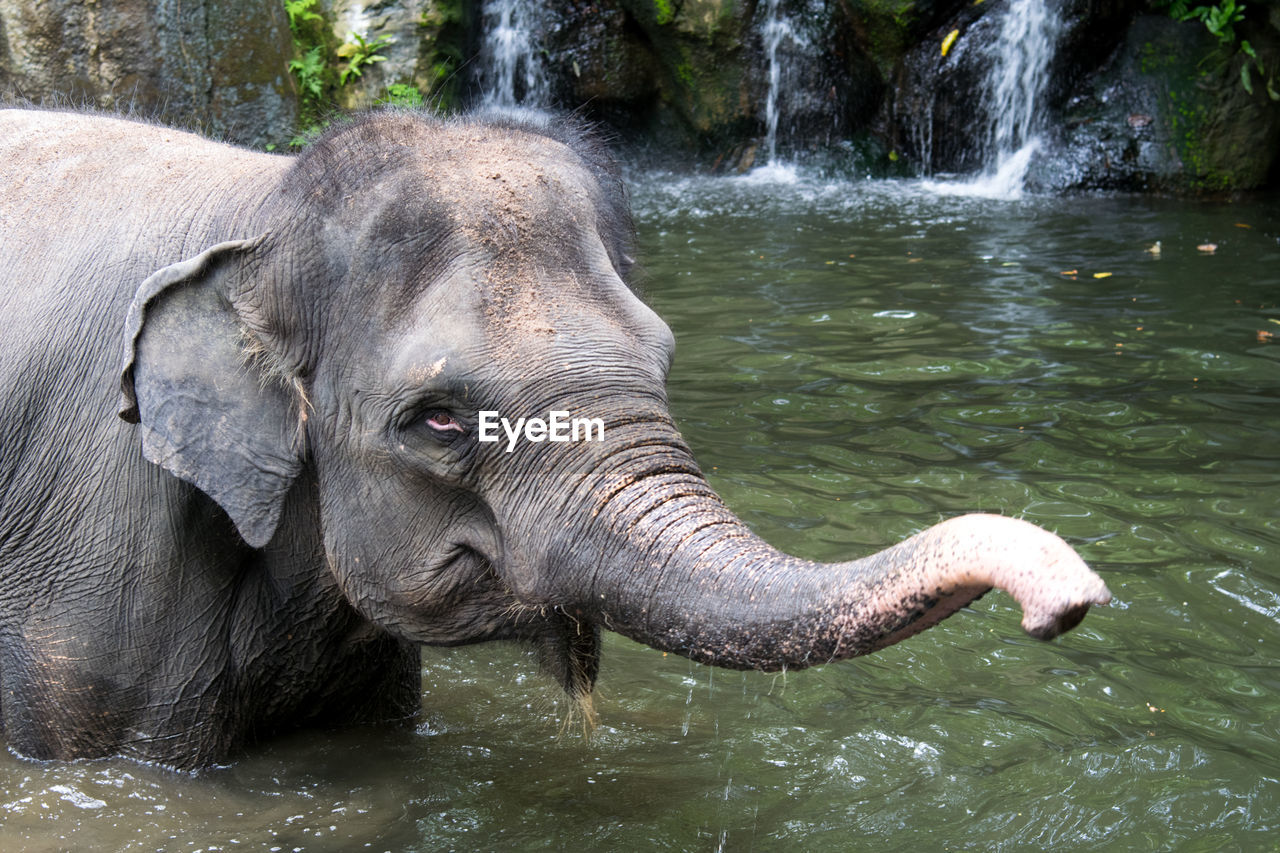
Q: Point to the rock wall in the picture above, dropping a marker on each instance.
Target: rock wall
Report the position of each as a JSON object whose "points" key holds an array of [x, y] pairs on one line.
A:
{"points": [[219, 65], [1168, 113]]}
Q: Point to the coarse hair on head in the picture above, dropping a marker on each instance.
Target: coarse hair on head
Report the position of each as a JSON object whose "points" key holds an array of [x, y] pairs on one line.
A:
{"points": [[368, 143]]}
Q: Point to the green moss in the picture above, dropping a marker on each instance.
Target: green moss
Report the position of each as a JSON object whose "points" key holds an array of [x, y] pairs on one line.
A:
{"points": [[1153, 58], [684, 73], [664, 13], [1212, 162], [444, 39], [886, 29], [443, 14]]}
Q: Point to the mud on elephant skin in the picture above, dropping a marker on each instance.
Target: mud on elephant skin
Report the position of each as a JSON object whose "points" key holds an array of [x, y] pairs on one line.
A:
{"points": [[242, 473]]}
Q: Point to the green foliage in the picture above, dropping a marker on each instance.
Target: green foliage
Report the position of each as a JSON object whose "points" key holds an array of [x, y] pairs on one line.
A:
{"points": [[308, 135], [360, 53], [300, 13], [402, 95], [684, 72], [310, 72], [322, 67], [1246, 79], [1220, 20], [438, 15], [311, 65], [665, 12]]}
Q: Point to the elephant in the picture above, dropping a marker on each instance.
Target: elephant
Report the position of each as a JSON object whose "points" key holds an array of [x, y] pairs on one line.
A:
{"points": [[242, 479]]}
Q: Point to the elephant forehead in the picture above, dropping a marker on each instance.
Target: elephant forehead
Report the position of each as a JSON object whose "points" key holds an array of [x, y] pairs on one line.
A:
{"points": [[513, 185], [548, 299]]}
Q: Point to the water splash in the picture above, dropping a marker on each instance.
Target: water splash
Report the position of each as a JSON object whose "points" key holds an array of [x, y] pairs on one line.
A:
{"points": [[510, 66], [1005, 183], [1016, 78], [771, 173]]}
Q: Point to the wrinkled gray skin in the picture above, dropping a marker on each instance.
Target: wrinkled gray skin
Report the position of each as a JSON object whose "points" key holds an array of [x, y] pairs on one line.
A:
{"points": [[239, 474]]}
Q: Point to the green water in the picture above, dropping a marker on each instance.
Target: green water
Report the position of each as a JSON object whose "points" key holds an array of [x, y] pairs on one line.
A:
{"points": [[855, 362]]}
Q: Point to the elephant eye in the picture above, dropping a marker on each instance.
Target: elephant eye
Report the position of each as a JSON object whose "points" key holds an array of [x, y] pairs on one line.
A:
{"points": [[444, 422]]}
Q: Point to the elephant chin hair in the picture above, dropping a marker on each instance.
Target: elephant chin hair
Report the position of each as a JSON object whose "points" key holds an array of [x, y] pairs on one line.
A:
{"points": [[569, 652], [581, 716]]}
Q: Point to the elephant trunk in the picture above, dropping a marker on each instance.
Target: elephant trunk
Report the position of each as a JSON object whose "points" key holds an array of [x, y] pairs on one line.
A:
{"points": [[682, 574]]}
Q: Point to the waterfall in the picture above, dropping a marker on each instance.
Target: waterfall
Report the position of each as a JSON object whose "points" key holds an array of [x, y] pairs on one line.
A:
{"points": [[510, 66], [778, 30], [1016, 76], [1015, 80]]}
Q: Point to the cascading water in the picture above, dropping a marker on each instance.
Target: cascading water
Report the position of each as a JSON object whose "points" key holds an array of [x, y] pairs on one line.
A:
{"points": [[776, 28], [1014, 84], [778, 31], [510, 67], [1015, 79]]}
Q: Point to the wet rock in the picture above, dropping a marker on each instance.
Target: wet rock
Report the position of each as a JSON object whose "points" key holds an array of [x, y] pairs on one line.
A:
{"points": [[701, 67], [218, 66], [600, 60], [1169, 114], [933, 110]]}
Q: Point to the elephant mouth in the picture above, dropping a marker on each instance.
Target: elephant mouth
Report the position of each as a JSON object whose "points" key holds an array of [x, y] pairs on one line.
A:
{"points": [[567, 645]]}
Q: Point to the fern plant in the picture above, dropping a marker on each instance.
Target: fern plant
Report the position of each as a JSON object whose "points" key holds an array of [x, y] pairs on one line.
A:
{"points": [[359, 53]]}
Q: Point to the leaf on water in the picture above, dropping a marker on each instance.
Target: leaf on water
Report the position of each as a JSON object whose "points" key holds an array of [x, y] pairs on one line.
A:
{"points": [[1207, 248], [949, 41], [1273, 320], [1070, 272], [1102, 275], [1244, 225]]}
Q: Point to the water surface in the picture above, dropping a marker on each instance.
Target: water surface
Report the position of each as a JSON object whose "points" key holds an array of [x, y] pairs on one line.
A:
{"points": [[856, 361]]}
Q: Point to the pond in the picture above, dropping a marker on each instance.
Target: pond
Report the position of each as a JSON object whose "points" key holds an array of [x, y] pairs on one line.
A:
{"points": [[856, 361]]}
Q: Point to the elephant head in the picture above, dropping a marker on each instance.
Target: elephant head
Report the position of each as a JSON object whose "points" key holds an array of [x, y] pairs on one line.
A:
{"points": [[414, 280]]}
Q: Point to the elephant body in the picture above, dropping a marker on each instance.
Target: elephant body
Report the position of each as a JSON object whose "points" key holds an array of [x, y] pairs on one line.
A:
{"points": [[239, 474], [133, 617]]}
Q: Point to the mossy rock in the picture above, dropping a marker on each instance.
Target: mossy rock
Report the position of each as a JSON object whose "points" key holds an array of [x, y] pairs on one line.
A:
{"points": [[221, 67], [697, 57], [1170, 114]]}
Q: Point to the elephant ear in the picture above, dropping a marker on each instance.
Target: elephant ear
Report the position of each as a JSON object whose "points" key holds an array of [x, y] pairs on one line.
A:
{"points": [[207, 413]]}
